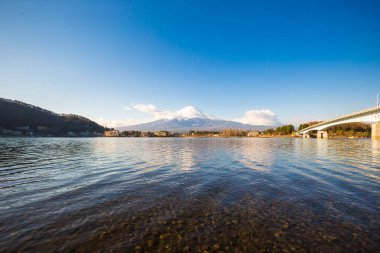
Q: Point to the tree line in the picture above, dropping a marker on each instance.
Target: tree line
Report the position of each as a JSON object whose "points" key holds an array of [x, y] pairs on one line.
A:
{"points": [[281, 130]]}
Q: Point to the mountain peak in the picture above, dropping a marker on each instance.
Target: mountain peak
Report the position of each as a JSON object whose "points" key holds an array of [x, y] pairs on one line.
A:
{"points": [[190, 112]]}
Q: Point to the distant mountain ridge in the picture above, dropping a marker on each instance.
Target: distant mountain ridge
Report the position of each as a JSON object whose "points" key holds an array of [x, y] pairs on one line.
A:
{"points": [[16, 115], [190, 118]]}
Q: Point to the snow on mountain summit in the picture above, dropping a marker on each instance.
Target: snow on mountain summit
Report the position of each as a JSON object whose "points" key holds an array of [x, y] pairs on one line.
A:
{"points": [[190, 112]]}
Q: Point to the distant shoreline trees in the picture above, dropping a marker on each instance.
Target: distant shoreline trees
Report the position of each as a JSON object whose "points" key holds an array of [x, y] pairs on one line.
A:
{"points": [[306, 125], [282, 130]]}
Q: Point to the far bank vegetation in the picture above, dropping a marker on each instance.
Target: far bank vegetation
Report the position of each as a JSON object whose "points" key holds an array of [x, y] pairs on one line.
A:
{"points": [[357, 130]]}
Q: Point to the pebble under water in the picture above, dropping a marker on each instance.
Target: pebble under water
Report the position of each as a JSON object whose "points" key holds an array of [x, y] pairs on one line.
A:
{"points": [[189, 195]]}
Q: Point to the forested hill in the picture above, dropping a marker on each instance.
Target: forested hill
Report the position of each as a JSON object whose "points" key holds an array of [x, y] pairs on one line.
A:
{"points": [[19, 116]]}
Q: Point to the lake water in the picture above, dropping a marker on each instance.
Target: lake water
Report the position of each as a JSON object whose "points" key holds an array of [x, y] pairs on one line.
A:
{"points": [[189, 195]]}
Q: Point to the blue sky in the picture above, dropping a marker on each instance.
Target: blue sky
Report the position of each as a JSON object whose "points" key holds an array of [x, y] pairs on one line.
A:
{"points": [[301, 60]]}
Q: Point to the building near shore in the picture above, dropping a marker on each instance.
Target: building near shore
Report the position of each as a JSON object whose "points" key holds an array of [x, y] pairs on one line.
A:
{"points": [[10, 132], [111, 133], [146, 134], [253, 134], [71, 134], [161, 133]]}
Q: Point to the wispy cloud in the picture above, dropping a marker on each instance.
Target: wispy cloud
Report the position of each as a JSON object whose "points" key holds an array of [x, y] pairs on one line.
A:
{"points": [[259, 117], [154, 111], [118, 123], [149, 109]]}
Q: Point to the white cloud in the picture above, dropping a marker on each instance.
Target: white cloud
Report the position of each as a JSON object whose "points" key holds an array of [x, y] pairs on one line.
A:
{"points": [[154, 111], [146, 108], [259, 117], [118, 123]]}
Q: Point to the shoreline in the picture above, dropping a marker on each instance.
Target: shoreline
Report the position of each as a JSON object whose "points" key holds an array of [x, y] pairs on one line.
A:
{"points": [[194, 137]]}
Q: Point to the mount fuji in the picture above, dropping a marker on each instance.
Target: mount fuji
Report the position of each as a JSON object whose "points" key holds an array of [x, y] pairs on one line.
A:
{"points": [[190, 118]]}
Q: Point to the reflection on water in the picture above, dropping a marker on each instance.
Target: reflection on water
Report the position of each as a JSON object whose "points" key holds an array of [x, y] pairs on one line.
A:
{"points": [[259, 158], [375, 149], [189, 195]]}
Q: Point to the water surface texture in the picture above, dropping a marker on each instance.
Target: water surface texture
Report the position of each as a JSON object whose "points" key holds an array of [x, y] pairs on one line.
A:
{"points": [[189, 195]]}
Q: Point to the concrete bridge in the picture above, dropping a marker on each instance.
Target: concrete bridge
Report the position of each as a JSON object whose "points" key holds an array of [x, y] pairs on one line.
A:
{"points": [[371, 116]]}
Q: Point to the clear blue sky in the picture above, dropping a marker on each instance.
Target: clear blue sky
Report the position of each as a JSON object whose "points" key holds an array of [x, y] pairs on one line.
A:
{"points": [[303, 60]]}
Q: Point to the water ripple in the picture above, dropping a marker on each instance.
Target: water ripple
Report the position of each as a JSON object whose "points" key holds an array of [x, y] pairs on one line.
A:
{"points": [[189, 195]]}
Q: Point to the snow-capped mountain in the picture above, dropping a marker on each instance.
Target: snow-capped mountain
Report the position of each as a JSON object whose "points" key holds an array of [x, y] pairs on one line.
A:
{"points": [[190, 112], [190, 118]]}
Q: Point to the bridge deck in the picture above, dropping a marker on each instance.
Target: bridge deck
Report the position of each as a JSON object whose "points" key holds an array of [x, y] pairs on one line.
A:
{"points": [[345, 117]]}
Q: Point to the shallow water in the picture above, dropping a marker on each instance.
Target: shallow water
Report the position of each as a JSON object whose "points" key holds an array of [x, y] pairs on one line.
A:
{"points": [[189, 195]]}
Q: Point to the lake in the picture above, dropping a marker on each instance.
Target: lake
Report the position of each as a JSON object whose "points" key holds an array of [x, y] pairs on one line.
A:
{"points": [[189, 195]]}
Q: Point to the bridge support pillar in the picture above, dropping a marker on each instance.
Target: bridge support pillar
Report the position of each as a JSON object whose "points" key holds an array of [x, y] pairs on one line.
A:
{"points": [[322, 135], [306, 136], [376, 131]]}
